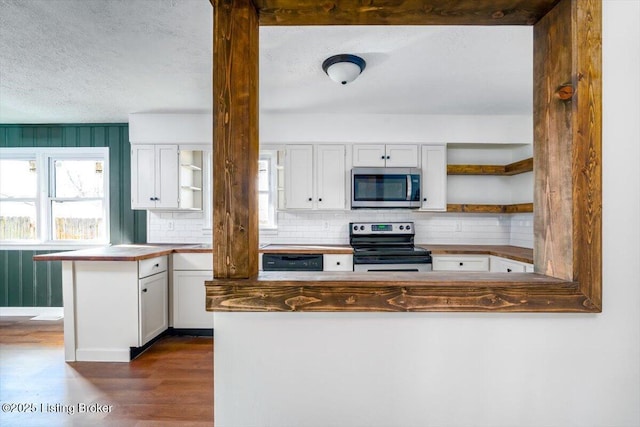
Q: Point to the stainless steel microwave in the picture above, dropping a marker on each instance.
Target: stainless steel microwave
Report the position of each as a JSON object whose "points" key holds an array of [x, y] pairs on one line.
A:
{"points": [[385, 188]]}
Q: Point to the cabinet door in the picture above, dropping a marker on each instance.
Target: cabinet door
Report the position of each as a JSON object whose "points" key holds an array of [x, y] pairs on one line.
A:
{"points": [[299, 177], [434, 178], [369, 155], [189, 299], [143, 177], [330, 177], [405, 156], [167, 177], [154, 308]]}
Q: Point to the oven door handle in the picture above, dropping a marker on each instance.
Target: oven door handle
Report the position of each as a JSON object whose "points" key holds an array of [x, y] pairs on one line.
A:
{"points": [[409, 192]]}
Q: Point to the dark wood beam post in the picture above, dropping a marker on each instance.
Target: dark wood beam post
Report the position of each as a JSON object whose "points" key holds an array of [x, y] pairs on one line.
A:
{"points": [[235, 139], [552, 138], [567, 145], [587, 147]]}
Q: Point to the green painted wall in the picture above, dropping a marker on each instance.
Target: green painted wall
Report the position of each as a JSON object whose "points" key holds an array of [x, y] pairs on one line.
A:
{"points": [[24, 283]]}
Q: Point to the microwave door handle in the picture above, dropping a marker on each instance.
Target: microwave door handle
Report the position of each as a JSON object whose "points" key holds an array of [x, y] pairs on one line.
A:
{"points": [[409, 192]]}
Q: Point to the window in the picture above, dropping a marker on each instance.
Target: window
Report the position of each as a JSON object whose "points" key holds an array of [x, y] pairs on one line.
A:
{"points": [[54, 195], [267, 189]]}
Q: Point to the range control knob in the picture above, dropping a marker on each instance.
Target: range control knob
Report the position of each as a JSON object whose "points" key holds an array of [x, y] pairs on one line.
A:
{"points": [[355, 228], [402, 227], [408, 227], [362, 228]]}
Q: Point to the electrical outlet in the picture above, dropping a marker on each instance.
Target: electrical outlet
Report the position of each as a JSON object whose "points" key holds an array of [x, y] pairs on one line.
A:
{"points": [[326, 225], [458, 226], [171, 225]]}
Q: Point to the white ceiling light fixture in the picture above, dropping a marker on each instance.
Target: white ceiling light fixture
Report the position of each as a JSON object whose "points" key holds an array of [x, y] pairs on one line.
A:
{"points": [[343, 68]]}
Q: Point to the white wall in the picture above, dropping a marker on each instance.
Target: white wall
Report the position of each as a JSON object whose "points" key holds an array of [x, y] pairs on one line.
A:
{"points": [[436, 369]]}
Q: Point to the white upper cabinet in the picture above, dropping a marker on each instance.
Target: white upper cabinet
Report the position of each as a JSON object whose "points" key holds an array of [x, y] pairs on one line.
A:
{"points": [[315, 177], [380, 155], [154, 176], [299, 177], [164, 178], [434, 178], [330, 176]]}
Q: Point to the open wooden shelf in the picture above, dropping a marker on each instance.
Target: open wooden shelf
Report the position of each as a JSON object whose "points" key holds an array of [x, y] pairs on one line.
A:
{"points": [[475, 208], [515, 168]]}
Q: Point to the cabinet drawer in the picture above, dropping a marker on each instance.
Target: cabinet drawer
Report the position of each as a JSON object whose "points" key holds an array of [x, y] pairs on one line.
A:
{"points": [[460, 263], [147, 267], [193, 261], [337, 262], [504, 265]]}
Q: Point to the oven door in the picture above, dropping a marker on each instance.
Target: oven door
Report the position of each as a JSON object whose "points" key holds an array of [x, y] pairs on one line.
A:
{"points": [[392, 267], [385, 188]]}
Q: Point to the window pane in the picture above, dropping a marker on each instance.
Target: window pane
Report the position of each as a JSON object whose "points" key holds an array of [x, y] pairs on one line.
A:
{"points": [[77, 220], [78, 178], [263, 175], [263, 209], [18, 178], [17, 220]]}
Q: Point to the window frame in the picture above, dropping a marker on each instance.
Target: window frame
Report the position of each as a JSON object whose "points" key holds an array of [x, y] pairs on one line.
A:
{"points": [[45, 158], [271, 156]]}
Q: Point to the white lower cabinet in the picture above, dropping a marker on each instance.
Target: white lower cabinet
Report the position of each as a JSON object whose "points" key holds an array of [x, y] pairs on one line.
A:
{"points": [[153, 312], [337, 262], [469, 263], [112, 307], [505, 265], [190, 271]]}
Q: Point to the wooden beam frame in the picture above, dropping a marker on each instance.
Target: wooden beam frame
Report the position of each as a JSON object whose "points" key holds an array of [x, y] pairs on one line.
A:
{"points": [[567, 169]]}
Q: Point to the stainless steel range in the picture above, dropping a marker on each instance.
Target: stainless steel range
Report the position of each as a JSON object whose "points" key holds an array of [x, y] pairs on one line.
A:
{"points": [[386, 246]]}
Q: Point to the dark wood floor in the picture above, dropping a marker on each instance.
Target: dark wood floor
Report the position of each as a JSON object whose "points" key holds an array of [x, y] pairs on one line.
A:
{"points": [[171, 384]]}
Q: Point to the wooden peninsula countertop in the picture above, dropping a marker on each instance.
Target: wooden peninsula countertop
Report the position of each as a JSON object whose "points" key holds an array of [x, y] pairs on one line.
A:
{"points": [[121, 252]]}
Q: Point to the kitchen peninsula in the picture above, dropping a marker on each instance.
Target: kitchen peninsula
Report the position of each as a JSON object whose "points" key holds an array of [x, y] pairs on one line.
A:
{"points": [[116, 298], [119, 299]]}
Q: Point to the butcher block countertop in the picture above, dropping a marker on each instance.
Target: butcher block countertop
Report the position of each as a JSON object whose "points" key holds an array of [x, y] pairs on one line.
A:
{"points": [[121, 252], [515, 253], [306, 249], [144, 251]]}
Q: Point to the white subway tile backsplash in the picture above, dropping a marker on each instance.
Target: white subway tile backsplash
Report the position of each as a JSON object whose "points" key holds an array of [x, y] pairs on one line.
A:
{"points": [[332, 227]]}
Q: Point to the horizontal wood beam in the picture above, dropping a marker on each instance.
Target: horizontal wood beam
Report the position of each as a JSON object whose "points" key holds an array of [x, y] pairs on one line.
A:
{"points": [[368, 292], [402, 12]]}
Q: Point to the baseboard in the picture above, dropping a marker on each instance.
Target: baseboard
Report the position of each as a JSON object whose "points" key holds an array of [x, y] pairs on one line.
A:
{"points": [[197, 332], [31, 311]]}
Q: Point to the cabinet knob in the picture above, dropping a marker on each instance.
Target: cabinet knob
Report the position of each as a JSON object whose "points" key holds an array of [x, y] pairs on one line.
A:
{"points": [[424, 200], [144, 290], [508, 270], [320, 199], [462, 263], [382, 157], [151, 198], [388, 157], [338, 263], [310, 199], [156, 265]]}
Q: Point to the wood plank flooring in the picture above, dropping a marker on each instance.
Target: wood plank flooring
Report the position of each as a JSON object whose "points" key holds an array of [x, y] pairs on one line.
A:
{"points": [[171, 384]]}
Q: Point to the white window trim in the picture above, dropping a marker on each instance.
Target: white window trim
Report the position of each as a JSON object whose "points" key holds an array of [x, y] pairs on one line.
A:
{"points": [[43, 157], [272, 157]]}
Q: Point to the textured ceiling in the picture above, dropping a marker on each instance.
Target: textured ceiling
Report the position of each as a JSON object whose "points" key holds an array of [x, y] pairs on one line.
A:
{"points": [[75, 61]]}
